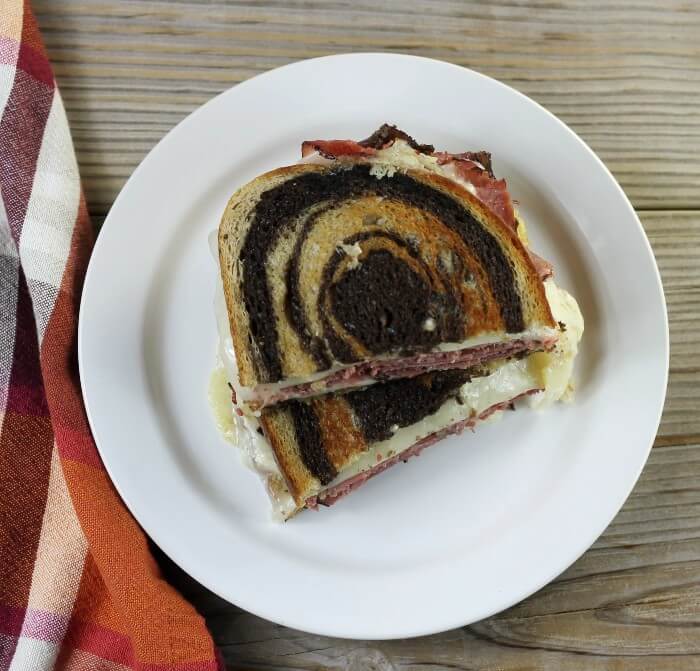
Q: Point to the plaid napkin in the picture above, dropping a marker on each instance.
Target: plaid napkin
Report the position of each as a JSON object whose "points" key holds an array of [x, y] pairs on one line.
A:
{"points": [[78, 587]]}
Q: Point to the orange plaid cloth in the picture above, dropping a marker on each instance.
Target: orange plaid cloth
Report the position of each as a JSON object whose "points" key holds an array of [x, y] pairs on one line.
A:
{"points": [[78, 587]]}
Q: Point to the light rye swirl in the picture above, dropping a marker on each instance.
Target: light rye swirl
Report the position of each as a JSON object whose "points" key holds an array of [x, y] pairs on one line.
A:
{"points": [[331, 266]]}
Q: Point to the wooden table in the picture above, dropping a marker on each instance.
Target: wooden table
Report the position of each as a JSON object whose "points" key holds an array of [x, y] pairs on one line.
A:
{"points": [[626, 77]]}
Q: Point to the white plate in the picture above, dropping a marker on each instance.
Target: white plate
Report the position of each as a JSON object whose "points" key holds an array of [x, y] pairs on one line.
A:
{"points": [[475, 524]]}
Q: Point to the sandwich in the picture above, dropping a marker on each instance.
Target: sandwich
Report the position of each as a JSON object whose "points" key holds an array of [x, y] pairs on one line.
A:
{"points": [[373, 299], [372, 261]]}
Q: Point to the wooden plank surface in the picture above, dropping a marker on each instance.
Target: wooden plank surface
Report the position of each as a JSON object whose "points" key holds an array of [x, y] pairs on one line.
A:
{"points": [[626, 77]]}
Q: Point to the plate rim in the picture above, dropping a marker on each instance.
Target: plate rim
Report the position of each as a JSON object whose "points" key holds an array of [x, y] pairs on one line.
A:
{"points": [[182, 561]]}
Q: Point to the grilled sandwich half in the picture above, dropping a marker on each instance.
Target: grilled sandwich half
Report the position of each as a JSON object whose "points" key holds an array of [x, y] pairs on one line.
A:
{"points": [[344, 270]]}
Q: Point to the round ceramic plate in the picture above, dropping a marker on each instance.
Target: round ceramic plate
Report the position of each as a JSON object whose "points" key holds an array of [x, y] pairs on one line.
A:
{"points": [[478, 522]]}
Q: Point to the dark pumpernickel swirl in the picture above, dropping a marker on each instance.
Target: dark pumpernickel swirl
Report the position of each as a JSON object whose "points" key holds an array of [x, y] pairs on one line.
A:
{"points": [[384, 302], [310, 440], [381, 409]]}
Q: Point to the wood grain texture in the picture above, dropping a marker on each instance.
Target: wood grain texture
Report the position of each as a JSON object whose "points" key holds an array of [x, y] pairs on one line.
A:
{"points": [[625, 76], [675, 239]]}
